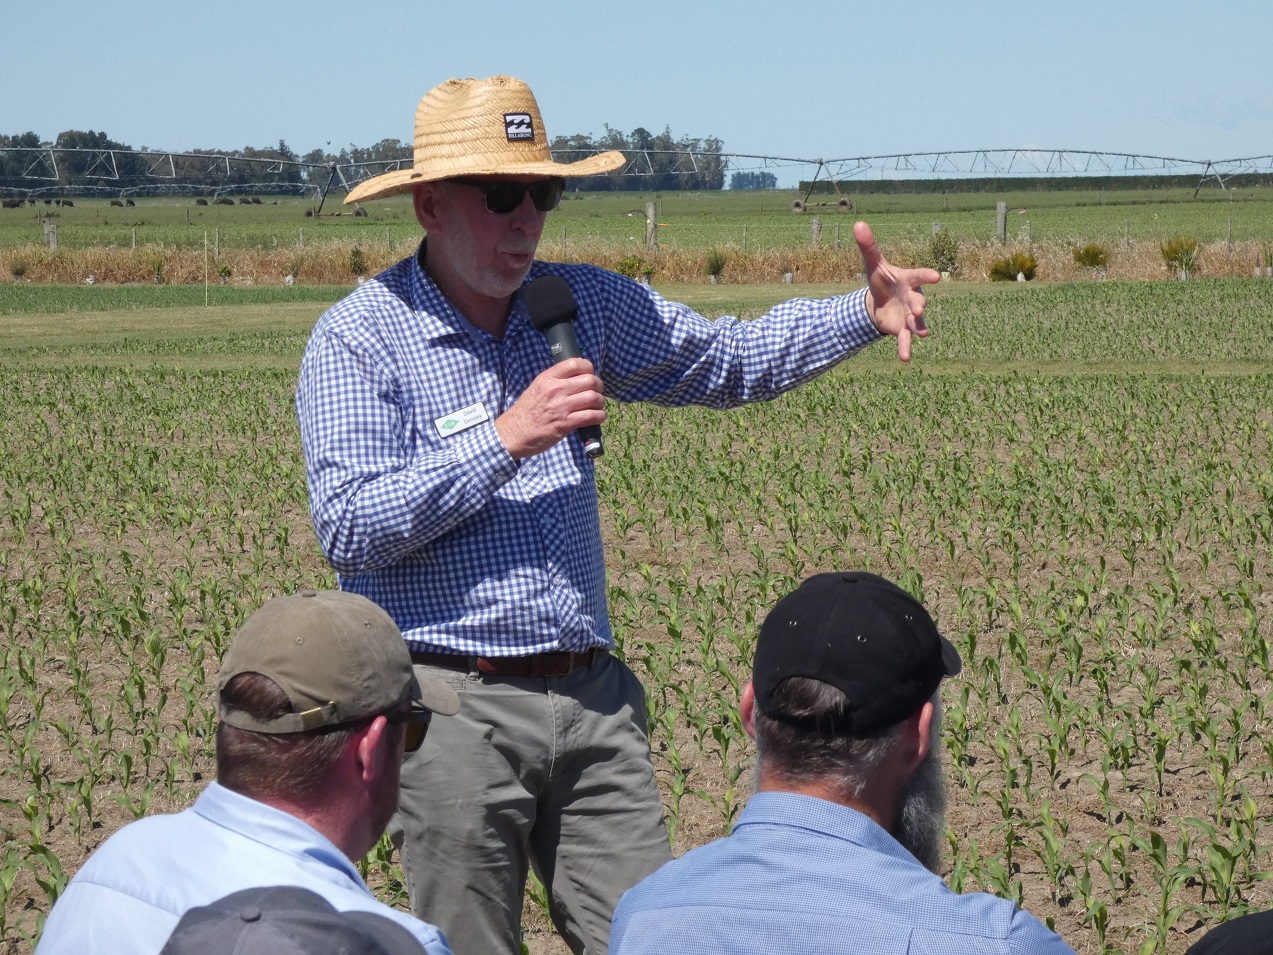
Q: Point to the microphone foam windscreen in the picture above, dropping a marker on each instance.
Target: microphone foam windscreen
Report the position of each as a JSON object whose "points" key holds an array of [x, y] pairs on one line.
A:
{"points": [[549, 301]]}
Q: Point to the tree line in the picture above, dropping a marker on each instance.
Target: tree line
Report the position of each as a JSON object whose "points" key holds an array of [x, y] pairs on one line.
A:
{"points": [[655, 162], [659, 162], [141, 170]]}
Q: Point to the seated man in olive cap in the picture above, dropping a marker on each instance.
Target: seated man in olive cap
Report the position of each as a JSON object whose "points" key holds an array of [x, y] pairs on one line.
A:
{"points": [[318, 704], [839, 848], [451, 480]]}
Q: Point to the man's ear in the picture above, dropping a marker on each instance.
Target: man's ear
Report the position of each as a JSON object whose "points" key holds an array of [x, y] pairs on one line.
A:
{"points": [[371, 749], [747, 709], [425, 198], [918, 734]]}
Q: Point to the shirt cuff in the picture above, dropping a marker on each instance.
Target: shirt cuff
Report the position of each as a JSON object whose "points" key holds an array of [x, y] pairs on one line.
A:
{"points": [[852, 323], [481, 460]]}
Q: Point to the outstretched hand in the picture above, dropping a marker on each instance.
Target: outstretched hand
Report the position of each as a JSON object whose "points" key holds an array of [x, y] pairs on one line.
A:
{"points": [[893, 298]]}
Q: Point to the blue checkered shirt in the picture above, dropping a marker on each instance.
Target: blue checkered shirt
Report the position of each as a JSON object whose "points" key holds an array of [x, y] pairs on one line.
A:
{"points": [[801, 874], [418, 505]]}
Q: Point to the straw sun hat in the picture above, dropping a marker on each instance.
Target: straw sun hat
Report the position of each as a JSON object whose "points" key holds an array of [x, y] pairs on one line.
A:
{"points": [[488, 127]]}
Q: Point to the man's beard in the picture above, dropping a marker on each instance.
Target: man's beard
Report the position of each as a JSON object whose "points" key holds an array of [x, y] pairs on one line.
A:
{"points": [[920, 825]]}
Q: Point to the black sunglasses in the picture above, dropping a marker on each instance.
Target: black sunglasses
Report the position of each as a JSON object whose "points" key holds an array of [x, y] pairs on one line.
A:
{"points": [[503, 197], [417, 724]]}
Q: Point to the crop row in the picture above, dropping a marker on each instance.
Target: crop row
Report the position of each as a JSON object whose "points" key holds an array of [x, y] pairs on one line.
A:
{"points": [[1098, 543]]}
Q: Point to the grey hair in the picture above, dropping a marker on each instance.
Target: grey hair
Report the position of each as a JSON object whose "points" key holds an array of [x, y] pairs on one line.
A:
{"points": [[797, 755]]}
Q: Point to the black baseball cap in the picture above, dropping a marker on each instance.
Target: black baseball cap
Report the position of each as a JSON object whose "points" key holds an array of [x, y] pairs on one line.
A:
{"points": [[286, 920], [862, 634]]}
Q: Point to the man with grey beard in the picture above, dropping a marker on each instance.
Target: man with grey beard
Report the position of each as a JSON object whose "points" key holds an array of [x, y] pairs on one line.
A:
{"points": [[839, 849]]}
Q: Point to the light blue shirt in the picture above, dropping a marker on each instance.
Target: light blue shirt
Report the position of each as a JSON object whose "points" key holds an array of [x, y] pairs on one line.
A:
{"points": [[128, 897], [801, 874], [415, 500]]}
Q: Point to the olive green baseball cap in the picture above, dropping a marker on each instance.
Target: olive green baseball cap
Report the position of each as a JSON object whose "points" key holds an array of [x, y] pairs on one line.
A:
{"points": [[338, 657]]}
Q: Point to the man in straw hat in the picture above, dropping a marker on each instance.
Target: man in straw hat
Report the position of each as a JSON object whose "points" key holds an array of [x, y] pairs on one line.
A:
{"points": [[447, 484], [318, 702], [839, 849]]}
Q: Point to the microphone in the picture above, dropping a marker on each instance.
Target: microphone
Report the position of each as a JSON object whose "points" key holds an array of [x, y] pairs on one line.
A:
{"points": [[552, 310]]}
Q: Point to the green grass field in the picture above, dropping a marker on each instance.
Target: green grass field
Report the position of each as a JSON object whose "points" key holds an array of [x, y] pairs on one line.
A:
{"points": [[1075, 478], [688, 220]]}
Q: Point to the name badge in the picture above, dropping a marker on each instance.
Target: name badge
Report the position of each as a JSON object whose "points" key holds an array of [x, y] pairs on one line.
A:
{"points": [[461, 420]]}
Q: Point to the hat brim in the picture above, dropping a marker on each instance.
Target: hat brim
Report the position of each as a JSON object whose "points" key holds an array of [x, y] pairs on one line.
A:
{"points": [[404, 180], [950, 657], [437, 696]]}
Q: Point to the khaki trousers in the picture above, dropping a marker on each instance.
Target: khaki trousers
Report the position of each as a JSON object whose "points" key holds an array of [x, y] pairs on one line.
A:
{"points": [[552, 772]]}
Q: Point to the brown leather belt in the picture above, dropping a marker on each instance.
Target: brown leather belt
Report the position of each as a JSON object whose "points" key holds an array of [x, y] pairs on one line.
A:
{"points": [[552, 663]]}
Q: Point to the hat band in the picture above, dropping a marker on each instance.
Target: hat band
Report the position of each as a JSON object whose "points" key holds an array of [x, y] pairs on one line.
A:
{"points": [[315, 718], [878, 711]]}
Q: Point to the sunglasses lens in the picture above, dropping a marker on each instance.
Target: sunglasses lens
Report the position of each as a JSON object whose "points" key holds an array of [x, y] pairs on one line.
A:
{"points": [[415, 735], [503, 197], [547, 195]]}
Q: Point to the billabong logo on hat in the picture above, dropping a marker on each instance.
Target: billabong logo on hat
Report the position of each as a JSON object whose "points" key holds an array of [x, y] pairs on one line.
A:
{"points": [[519, 127]]}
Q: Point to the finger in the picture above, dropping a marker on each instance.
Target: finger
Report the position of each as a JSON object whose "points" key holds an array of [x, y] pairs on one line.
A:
{"points": [[904, 344], [917, 304], [917, 277], [866, 244], [584, 417], [589, 385], [569, 368], [591, 399]]}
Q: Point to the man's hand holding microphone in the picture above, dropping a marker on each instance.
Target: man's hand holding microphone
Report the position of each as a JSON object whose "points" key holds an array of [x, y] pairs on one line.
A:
{"points": [[567, 396]]}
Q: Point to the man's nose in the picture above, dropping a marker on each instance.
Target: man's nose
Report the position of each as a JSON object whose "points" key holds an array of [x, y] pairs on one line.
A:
{"points": [[526, 216]]}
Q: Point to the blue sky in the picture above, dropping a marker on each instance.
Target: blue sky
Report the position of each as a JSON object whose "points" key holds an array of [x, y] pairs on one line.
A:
{"points": [[803, 78]]}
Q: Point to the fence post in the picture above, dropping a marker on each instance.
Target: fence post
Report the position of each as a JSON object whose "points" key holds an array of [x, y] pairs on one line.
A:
{"points": [[1229, 236], [837, 237], [1127, 232], [651, 226], [300, 238], [815, 232], [744, 238], [1001, 221], [50, 233], [134, 238], [216, 243]]}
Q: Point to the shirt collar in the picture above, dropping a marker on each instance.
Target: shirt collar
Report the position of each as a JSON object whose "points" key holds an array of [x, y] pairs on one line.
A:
{"points": [[271, 827], [798, 811]]}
